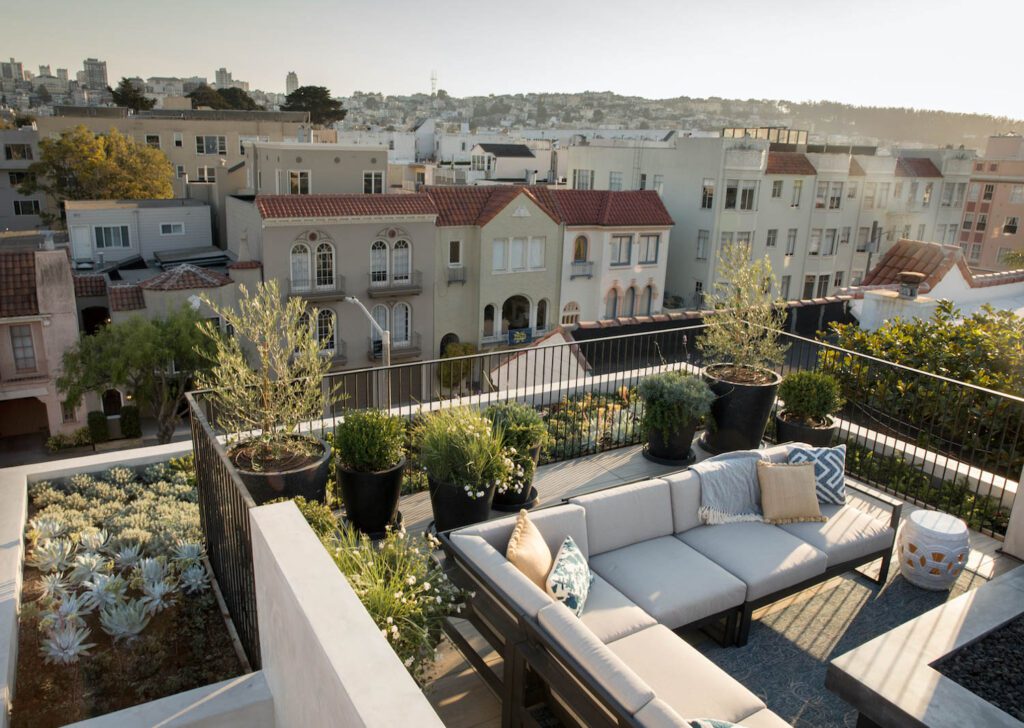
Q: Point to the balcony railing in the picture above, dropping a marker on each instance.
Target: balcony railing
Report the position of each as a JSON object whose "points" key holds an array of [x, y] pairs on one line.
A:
{"points": [[582, 269], [456, 275], [314, 290], [382, 285], [338, 353], [410, 347]]}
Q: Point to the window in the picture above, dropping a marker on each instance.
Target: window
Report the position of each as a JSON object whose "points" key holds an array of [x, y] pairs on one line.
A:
{"points": [[18, 151], [647, 304], [862, 239], [869, 195], [373, 183], [698, 293], [67, 412], [179, 170], [951, 232], [982, 223], [615, 181], [989, 191], [823, 282], [732, 187], [906, 231], [1003, 253], [707, 194], [455, 253], [244, 138], [643, 181], [211, 145], [206, 174], [172, 228], [300, 268], [838, 282], [959, 199], [23, 348], [401, 325], [798, 188], [517, 254], [993, 167], [583, 179], [725, 239], [926, 196], [378, 262], [921, 231], [570, 314], [791, 241], [844, 236], [649, 248], [17, 178], [829, 245], [814, 242], [659, 183], [835, 195], [381, 315], [611, 304], [773, 235], [538, 249], [948, 188], [883, 195], [542, 315], [808, 287], [298, 182], [776, 189], [489, 320], [1016, 193], [1010, 225], [325, 265], [112, 237], [743, 239], [26, 207], [820, 194], [622, 250], [973, 192], [499, 254], [153, 140], [851, 190], [784, 287], [898, 191], [968, 220], [401, 263], [580, 249], [702, 244], [975, 252], [629, 301], [178, 142], [748, 195], [325, 330], [856, 277]]}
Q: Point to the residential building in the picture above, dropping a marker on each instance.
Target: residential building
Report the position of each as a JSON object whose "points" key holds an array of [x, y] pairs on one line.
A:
{"points": [[400, 145], [11, 71], [991, 225], [291, 82], [222, 77], [18, 150], [508, 163], [95, 74]]}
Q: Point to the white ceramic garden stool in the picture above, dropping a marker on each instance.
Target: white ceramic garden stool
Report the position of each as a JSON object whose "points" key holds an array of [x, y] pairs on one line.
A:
{"points": [[933, 548]]}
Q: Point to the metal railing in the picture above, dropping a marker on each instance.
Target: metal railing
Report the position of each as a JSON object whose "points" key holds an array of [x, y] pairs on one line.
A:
{"points": [[456, 274], [386, 284], [408, 347], [581, 269], [311, 289]]}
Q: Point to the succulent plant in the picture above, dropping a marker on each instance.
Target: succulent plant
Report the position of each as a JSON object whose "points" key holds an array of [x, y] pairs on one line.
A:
{"points": [[127, 556], [65, 644], [52, 555], [70, 610], [150, 569], [158, 595], [87, 566], [194, 579], [105, 590], [54, 586], [187, 553], [94, 541], [44, 529], [125, 621]]}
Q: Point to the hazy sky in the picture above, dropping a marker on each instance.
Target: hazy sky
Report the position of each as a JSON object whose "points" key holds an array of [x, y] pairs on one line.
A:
{"points": [[919, 53]]}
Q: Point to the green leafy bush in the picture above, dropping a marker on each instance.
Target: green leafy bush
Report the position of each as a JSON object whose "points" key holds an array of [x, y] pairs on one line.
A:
{"points": [[99, 431], [460, 447], [673, 400], [454, 373], [811, 397], [369, 441], [524, 431], [60, 441], [130, 425]]}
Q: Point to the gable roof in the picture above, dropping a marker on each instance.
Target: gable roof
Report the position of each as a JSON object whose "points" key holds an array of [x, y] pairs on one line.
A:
{"points": [[606, 208], [932, 260], [126, 298], [18, 284], [916, 167], [789, 163], [185, 277], [855, 169], [478, 205], [321, 206], [507, 150]]}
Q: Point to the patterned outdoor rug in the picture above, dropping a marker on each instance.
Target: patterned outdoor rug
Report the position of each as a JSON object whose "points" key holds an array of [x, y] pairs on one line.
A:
{"points": [[791, 644]]}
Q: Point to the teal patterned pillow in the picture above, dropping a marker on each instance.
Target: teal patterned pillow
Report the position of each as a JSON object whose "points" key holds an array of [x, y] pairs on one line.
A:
{"points": [[570, 577], [711, 723]]}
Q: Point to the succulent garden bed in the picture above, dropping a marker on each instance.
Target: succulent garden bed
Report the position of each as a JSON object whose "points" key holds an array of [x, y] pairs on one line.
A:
{"points": [[117, 605], [992, 668]]}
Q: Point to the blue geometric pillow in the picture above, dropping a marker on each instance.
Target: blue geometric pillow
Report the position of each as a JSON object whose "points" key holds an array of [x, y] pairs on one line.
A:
{"points": [[710, 723], [570, 577], [829, 471]]}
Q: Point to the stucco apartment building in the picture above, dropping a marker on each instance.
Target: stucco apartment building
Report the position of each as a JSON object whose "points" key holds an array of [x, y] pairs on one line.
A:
{"points": [[18, 149], [991, 225]]}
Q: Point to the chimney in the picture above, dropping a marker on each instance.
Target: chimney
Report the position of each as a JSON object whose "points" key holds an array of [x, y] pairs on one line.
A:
{"points": [[47, 239], [909, 283]]}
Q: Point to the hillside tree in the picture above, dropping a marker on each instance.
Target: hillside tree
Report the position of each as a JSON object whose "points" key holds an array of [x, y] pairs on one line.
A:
{"points": [[318, 102], [127, 94]]}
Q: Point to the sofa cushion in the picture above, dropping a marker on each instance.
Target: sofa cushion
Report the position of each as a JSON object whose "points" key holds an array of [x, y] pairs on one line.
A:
{"points": [[764, 557], [515, 585], [728, 487], [569, 579], [848, 534], [684, 678], [626, 514], [684, 487], [554, 524], [788, 493], [777, 453], [829, 470], [528, 552], [659, 714], [764, 718], [609, 614], [670, 581], [607, 669]]}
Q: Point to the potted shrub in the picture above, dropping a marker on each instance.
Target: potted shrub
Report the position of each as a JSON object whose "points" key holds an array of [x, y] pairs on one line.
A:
{"points": [[809, 399], [370, 460], [525, 435], [742, 345], [465, 460], [675, 404], [265, 381]]}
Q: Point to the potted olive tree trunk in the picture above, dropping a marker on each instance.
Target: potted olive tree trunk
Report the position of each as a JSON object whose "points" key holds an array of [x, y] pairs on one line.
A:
{"points": [[266, 382], [524, 436], [370, 456], [675, 404], [741, 342], [809, 399]]}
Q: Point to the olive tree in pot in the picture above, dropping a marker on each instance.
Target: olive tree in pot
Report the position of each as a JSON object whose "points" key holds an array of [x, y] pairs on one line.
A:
{"points": [[465, 460], [675, 404], [741, 343], [525, 435], [370, 456], [809, 399], [265, 382]]}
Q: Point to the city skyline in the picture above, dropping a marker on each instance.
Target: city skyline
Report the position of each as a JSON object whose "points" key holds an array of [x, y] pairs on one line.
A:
{"points": [[860, 59]]}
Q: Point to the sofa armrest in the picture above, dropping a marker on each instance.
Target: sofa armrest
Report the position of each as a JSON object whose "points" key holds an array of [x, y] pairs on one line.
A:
{"points": [[895, 505]]}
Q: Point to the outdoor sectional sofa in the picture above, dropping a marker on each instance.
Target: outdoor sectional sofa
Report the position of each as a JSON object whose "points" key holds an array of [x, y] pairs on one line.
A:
{"points": [[656, 569]]}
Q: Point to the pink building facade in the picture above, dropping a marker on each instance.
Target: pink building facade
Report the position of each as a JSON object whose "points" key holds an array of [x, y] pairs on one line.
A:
{"points": [[993, 218]]}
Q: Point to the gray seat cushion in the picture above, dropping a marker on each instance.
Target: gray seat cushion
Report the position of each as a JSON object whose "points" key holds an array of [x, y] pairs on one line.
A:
{"points": [[626, 514], [659, 714], [554, 524], [849, 533], [670, 581], [764, 557], [513, 583], [609, 614], [683, 678]]}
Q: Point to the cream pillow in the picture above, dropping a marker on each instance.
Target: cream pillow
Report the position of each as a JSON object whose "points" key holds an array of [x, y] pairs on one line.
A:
{"points": [[788, 493], [528, 551]]}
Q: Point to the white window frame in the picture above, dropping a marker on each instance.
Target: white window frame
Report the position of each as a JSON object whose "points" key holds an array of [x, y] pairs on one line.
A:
{"points": [[791, 236], [772, 238], [401, 338], [179, 140], [499, 255], [798, 189], [373, 179], [303, 258], [206, 174], [172, 229], [458, 249], [615, 181], [777, 186], [703, 238], [20, 334], [149, 143], [616, 248], [644, 255], [219, 144], [380, 253], [536, 254], [814, 241], [26, 207], [295, 179], [124, 237], [330, 272]]}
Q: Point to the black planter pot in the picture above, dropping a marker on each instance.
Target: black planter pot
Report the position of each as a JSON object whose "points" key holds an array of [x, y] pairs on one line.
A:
{"points": [[786, 431], [740, 412], [453, 509], [526, 498], [309, 481], [676, 447], [371, 499]]}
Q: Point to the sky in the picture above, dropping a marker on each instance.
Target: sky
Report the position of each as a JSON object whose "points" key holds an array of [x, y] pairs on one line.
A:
{"points": [[915, 53]]}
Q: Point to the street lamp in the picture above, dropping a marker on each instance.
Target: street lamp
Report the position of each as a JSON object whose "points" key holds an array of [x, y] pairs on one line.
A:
{"points": [[385, 344]]}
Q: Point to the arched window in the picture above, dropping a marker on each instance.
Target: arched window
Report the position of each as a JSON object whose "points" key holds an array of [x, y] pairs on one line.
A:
{"points": [[380, 315], [378, 263], [300, 267], [570, 314], [112, 403], [647, 307], [325, 329], [611, 304], [400, 332], [447, 340], [580, 249], [325, 265], [402, 262], [515, 313], [489, 320], [629, 302], [542, 315], [304, 329]]}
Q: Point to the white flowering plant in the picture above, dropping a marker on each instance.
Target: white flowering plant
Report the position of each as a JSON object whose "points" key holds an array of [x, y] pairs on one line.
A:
{"points": [[524, 434], [459, 447]]}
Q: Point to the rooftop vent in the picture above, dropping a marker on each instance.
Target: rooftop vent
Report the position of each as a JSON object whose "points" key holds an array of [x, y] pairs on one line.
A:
{"points": [[909, 283]]}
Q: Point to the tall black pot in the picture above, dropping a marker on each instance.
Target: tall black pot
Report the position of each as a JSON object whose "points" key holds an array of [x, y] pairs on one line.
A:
{"points": [[371, 499], [676, 446], [454, 509], [789, 431], [526, 498], [308, 481], [739, 412]]}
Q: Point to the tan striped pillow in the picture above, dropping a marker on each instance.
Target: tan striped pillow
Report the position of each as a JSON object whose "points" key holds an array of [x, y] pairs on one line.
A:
{"points": [[528, 551], [788, 493]]}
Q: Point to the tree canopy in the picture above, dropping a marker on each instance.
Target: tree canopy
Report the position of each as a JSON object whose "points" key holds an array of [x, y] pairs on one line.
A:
{"points": [[126, 94], [155, 360], [222, 98], [80, 165], [318, 102]]}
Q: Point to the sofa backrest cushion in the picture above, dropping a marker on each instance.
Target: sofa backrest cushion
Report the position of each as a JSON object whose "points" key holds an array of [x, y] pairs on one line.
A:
{"points": [[777, 453], [684, 488], [554, 524], [626, 514], [659, 714], [607, 668], [511, 581]]}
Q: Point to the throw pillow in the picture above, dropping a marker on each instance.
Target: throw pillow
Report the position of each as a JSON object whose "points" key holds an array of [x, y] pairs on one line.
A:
{"points": [[787, 493], [829, 470], [528, 551], [710, 723], [570, 577]]}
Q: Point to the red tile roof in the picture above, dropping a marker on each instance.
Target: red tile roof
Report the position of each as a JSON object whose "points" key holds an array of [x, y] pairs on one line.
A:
{"points": [[185, 277], [478, 205], [126, 297], [18, 284], [90, 284], [611, 209], [320, 206], [789, 163], [934, 261], [245, 264], [916, 167]]}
